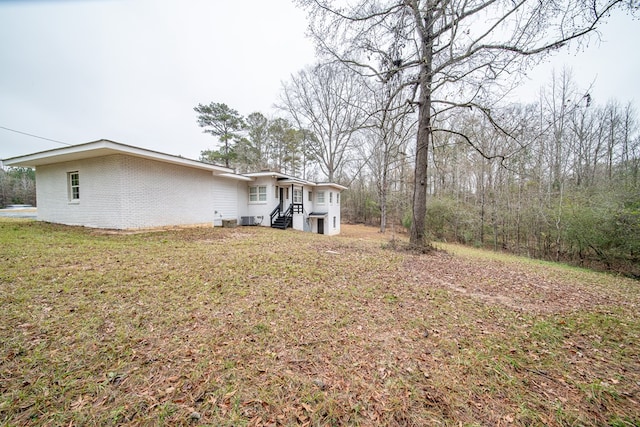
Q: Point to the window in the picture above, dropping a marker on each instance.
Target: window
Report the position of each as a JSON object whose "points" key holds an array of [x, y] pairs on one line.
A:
{"points": [[334, 222], [337, 198], [310, 196], [73, 180], [320, 198], [297, 195], [277, 189], [330, 196], [258, 194]]}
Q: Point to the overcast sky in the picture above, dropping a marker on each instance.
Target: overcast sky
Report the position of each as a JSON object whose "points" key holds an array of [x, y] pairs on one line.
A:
{"points": [[132, 70]]}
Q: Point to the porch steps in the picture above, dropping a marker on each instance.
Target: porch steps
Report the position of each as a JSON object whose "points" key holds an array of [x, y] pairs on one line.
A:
{"points": [[282, 222]]}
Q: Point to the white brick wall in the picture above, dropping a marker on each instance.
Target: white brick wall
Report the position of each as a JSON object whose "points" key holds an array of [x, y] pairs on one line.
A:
{"points": [[121, 192], [93, 210]]}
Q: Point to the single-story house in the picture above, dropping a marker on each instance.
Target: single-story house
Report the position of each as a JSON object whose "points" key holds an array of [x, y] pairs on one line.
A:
{"points": [[105, 184]]}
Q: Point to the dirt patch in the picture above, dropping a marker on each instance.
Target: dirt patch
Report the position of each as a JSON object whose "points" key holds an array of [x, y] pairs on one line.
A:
{"points": [[531, 288]]}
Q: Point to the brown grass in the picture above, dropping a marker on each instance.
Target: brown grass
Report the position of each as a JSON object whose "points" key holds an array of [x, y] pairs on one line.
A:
{"points": [[253, 326]]}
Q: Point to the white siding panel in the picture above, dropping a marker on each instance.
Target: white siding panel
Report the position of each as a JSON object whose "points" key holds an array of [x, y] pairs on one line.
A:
{"points": [[242, 199], [225, 199]]}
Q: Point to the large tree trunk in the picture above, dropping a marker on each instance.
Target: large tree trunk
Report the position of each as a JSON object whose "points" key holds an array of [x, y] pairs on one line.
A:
{"points": [[420, 181], [417, 234]]}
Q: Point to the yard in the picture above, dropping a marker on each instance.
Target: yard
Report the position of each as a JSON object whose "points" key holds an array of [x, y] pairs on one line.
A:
{"points": [[255, 326]]}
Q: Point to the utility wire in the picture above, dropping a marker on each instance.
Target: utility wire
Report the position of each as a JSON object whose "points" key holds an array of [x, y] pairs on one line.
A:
{"points": [[35, 136]]}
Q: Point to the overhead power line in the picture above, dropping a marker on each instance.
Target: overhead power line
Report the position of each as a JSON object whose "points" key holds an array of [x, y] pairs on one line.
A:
{"points": [[35, 136]]}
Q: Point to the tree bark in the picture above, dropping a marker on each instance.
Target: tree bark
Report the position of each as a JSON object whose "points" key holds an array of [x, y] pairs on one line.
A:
{"points": [[423, 140]]}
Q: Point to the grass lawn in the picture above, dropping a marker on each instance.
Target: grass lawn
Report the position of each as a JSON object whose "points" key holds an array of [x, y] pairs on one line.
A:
{"points": [[254, 326]]}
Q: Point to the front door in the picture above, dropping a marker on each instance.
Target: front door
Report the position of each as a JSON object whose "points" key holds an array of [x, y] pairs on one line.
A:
{"points": [[281, 199], [320, 225]]}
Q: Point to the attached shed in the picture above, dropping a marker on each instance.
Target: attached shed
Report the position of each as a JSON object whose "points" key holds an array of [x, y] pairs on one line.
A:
{"points": [[105, 184]]}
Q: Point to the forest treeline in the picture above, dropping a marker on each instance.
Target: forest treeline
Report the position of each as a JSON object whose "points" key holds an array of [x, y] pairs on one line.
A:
{"points": [[556, 179], [560, 181], [17, 187]]}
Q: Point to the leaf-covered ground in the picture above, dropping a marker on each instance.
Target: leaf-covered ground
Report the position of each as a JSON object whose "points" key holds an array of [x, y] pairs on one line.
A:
{"points": [[253, 326]]}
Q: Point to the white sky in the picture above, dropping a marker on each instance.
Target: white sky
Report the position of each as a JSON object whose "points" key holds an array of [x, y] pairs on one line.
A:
{"points": [[131, 71]]}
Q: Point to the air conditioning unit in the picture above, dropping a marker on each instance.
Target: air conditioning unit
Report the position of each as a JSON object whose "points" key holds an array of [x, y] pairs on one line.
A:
{"points": [[248, 220]]}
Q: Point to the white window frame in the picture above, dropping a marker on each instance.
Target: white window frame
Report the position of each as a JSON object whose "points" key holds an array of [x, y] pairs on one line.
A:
{"points": [[334, 223], [337, 198], [258, 194], [310, 196], [73, 186], [320, 199], [297, 195], [330, 197]]}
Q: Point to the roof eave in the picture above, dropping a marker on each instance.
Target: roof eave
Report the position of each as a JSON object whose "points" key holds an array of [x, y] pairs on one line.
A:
{"points": [[105, 147], [331, 184]]}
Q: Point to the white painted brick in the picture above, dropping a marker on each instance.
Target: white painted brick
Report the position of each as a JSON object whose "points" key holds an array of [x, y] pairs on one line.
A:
{"points": [[121, 192]]}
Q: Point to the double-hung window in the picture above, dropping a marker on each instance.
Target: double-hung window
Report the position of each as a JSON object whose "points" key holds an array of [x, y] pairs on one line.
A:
{"points": [[258, 194], [320, 197], [297, 196], [73, 186]]}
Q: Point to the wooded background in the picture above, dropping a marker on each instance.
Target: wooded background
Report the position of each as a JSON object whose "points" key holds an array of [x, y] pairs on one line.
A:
{"points": [[558, 179], [408, 106], [17, 187]]}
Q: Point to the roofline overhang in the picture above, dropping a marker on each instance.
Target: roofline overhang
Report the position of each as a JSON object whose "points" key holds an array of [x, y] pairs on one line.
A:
{"points": [[296, 181], [267, 174], [236, 177], [280, 177], [288, 179], [331, 184], [104, 147]]}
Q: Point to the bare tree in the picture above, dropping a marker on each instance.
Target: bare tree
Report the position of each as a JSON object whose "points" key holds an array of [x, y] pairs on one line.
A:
{"points": [[326, 100], [453, 53], [392, 124]]}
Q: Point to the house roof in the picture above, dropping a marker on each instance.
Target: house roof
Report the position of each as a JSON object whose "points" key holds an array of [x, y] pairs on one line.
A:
{"points": [[285, 179], [331, 184], [288, 179], [105, 147]]}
